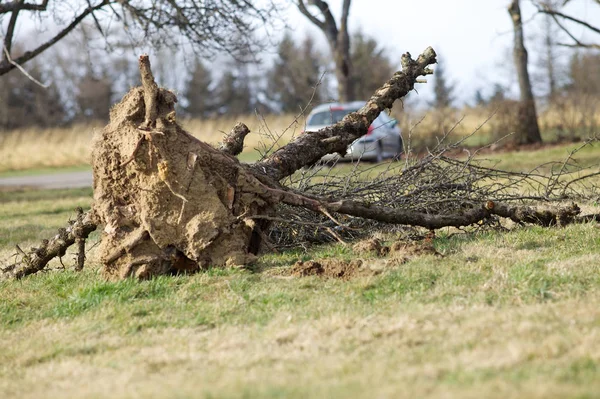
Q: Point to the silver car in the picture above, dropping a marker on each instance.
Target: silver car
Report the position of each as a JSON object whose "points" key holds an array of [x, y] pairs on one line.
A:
{"points": [[383, 139]]}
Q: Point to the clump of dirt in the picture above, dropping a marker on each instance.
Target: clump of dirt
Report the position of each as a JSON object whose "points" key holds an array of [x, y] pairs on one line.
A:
{"points": [[394, 255], [332, 268], [371, 246], [398, 249], [413, 249]]}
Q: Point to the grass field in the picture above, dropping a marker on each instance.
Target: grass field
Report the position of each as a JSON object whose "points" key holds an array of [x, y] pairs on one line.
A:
{"points": [[494, 315]]}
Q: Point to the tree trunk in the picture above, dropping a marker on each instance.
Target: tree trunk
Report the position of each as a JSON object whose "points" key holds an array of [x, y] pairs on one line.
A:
{"points": [[339, 42], [343, 69], [343, 64], [528, 130]]}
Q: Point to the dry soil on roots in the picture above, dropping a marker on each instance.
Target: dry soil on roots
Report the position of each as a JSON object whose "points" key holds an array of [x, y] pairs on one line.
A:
{"points": [[168, 201]]}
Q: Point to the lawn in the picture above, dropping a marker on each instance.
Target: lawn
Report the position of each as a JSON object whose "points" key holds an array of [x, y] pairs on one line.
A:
{"points": [[493, 314]]}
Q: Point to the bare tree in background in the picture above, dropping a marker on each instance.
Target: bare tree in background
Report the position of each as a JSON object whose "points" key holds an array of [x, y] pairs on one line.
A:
{"points": [[338, 38], [208, 25], [548, 58], [528, 130], [567, 22]]}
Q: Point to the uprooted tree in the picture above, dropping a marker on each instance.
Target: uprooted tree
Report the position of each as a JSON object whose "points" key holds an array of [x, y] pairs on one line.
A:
{"points": [[168, 202]]}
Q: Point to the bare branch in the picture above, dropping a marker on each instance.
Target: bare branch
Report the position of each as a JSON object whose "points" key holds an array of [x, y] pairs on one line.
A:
{"points": [[302, 7], [547, 10], [37, 258], [6, 66], [328, 25], [23, 71], [311, 147], [21, 5], [10, 29]]}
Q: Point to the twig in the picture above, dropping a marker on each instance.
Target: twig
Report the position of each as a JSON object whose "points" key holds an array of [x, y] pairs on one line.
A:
{"points": [[23, 71]]}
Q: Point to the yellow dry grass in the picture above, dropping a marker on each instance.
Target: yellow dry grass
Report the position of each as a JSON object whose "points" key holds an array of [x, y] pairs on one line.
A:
{"points": [[36, 148], [528, 351]]}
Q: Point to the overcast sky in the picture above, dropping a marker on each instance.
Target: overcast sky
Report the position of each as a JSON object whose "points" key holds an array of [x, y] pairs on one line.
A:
{"points": [[473, 36]]}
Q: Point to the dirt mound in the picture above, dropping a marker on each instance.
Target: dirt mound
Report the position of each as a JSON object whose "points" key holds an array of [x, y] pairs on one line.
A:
{"points": [[332, 268], [413, 249], [398, 249], [372, 245], [395, 255]]}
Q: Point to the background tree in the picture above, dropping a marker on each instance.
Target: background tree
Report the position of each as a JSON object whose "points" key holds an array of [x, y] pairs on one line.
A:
{"points": [[24, 102], [294, 76], [94, 96], [443, 89], [584, 74], [567, 22], [233, 95], [528, 130], [198, 92], [370, 65], [206, 25], [339, 41]]}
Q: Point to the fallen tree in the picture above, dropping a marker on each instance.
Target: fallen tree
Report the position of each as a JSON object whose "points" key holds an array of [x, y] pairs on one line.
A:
{"points": [[168, 202]]}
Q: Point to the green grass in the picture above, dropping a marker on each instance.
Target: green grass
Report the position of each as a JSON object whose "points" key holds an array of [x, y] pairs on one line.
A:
{"points": [[498, 314], [45, 171], [525, 161]]}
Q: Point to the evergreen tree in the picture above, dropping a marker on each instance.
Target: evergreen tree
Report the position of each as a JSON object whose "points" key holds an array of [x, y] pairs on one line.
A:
{"points": [[443, 89], [24, 102], [478, 98], [233, 95], [294, 76], [370, 66], [198, 92]]}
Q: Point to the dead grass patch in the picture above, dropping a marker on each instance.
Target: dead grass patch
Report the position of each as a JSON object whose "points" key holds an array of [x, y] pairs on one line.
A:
{"points": [[415, 351]]}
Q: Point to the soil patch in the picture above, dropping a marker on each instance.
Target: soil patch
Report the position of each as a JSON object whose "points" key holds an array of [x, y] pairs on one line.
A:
{"points": [[332, 268], [394, 255], [371, 246]]}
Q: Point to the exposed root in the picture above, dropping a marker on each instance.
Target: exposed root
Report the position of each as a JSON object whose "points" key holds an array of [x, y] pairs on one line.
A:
{"points": [[233, 143]]}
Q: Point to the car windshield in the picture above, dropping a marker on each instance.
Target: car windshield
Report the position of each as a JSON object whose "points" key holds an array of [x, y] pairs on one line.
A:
{"points": [[329, 117]]}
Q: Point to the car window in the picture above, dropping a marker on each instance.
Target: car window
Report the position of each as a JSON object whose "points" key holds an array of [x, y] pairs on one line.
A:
{"points": [[328, 117], [383, 120]]}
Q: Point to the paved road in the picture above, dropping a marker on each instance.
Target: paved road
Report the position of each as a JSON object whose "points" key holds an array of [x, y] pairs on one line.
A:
{"points": [[58, 180]]}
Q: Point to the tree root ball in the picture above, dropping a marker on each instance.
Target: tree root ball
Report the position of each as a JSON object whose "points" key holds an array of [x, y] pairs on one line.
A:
{"points": [[168, 202]]}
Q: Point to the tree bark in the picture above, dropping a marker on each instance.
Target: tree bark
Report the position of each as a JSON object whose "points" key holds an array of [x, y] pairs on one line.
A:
{"points": [[528, 130]]}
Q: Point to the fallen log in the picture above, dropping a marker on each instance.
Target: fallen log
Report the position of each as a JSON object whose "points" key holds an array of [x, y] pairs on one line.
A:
{"points": [[170, 203]]}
